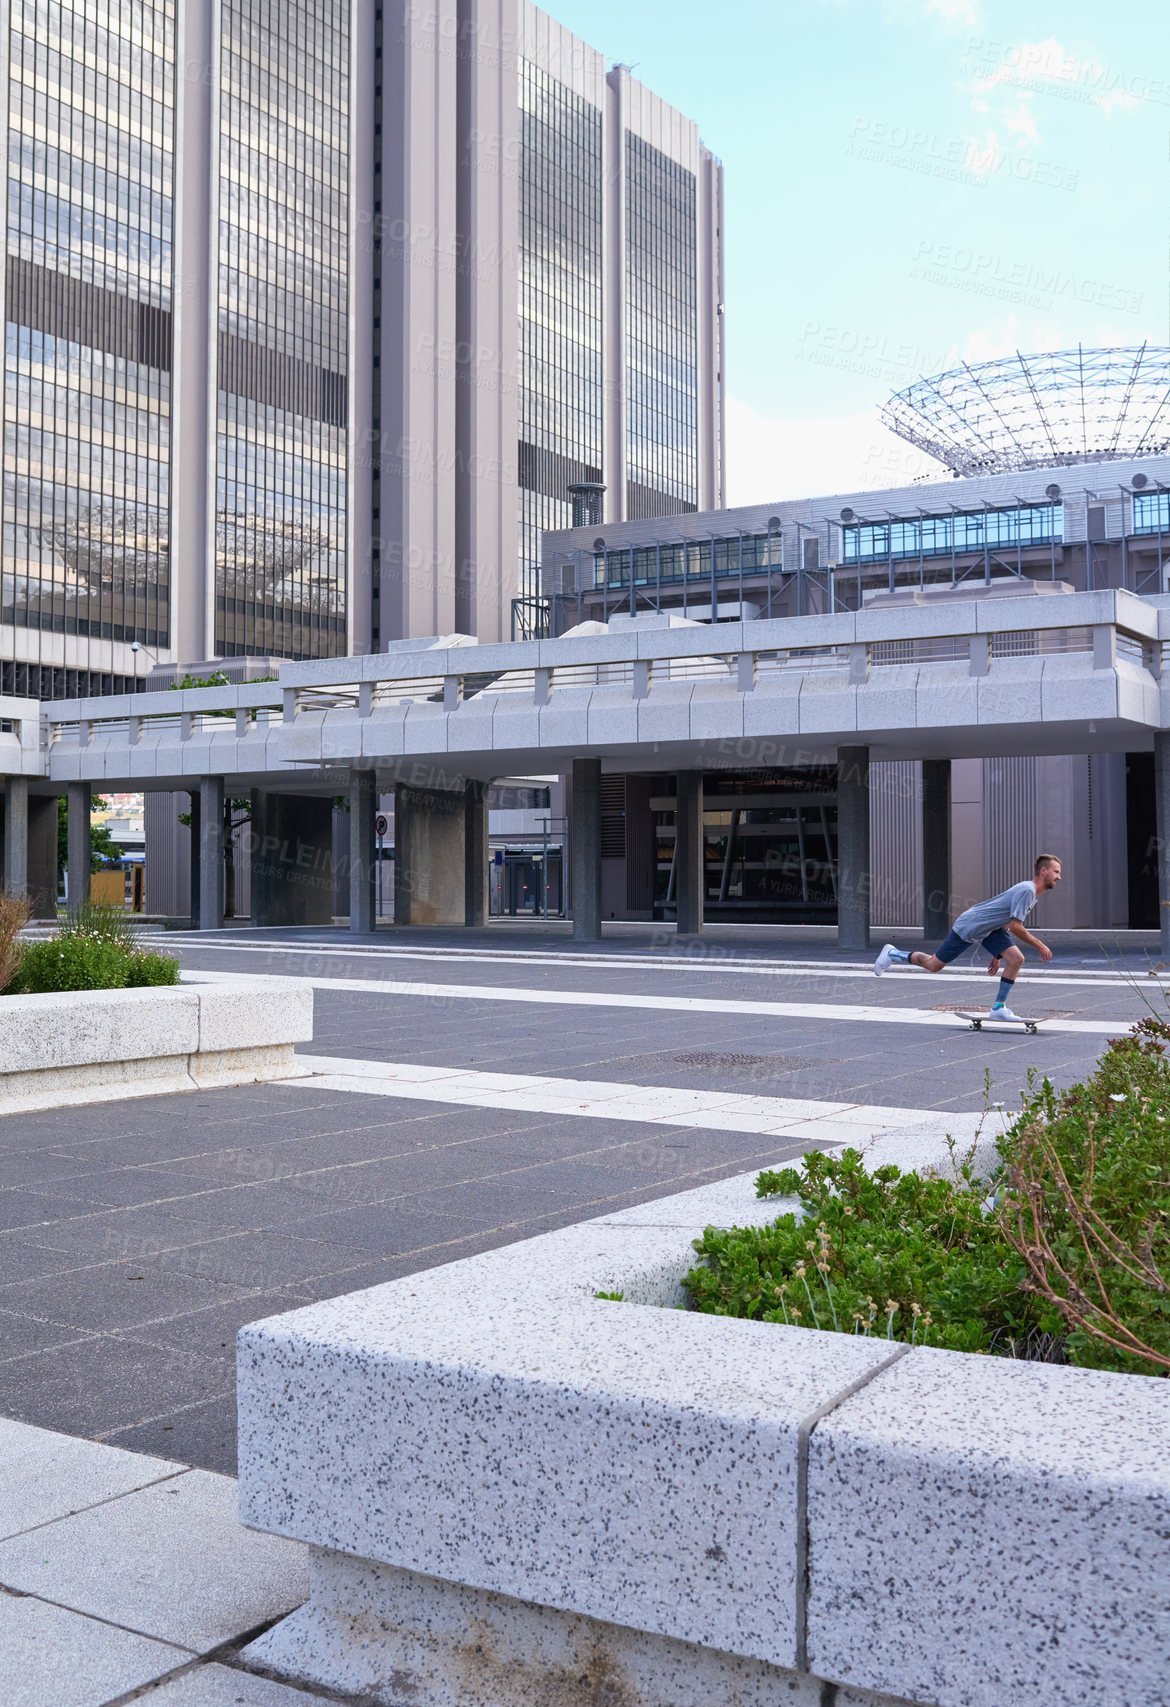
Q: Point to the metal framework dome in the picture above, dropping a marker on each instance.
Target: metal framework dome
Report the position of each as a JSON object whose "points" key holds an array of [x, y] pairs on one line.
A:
{"points": [[1040, 411]]}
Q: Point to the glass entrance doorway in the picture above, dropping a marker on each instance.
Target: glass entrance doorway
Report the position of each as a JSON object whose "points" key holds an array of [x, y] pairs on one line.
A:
{"points": [[525, 882], [769, 848]]}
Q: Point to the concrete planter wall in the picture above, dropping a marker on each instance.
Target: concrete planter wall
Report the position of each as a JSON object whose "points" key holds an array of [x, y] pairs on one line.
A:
{"points": [[516, 1493], [93, 1045]]}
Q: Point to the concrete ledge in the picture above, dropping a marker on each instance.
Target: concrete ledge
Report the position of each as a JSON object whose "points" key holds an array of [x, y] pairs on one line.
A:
{"points": [[619, 1501], [658, 1495], [76, 1047]]}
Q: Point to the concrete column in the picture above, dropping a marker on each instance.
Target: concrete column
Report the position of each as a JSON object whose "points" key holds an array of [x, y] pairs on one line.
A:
{"points": [[585, 850], [291, 853], [1162, 807], [78, 795], [42, 855], [363, 806], [210, 853], [688, 853], [430, 864], [475, 854], [16, 835], [936, 848], [853, 848]]}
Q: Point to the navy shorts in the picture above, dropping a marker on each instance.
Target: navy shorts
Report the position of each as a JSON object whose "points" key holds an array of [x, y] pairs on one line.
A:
{"points": [[994, 943]]}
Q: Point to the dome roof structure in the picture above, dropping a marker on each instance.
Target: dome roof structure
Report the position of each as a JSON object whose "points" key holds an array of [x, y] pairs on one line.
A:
{"points": [[1041, 411]]}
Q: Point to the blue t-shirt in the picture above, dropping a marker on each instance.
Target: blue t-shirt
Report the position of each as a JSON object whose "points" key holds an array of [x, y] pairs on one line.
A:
{"points": [[987, 916]]}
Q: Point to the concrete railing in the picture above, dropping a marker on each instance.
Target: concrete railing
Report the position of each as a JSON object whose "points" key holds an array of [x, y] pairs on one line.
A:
{"points": [[447, 676], [515, 1492], [22, 744], [850, 668], [232, 711]]}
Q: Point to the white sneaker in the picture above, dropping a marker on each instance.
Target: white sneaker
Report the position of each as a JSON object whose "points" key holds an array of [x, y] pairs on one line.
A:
{"points": [[1004, 1012], [884, 960]]}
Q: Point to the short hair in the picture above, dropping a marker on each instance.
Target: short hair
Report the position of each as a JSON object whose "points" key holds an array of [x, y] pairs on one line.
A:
{"points": [[1045, 859]]}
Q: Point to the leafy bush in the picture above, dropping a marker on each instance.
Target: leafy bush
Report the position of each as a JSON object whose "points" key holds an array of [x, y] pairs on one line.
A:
{"points": [[70, 963], [146, 968], [884, 1253], [1069, 1263], [95, 949], [1087, 1205]]}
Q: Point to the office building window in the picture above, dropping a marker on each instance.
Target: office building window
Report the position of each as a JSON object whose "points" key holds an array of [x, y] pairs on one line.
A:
{"points": [[88, 283], [1151, 512], [282, 411], [662, 447], [692, 560], [938, 536], [560, 398]]}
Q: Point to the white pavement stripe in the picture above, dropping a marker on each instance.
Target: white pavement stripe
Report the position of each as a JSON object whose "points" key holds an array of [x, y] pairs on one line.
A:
{"points": [[828, 1013], [657, 1105], [701, 963]]}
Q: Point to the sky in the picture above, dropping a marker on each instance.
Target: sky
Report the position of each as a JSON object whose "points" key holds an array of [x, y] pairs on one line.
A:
{"points": [[909, 184]]}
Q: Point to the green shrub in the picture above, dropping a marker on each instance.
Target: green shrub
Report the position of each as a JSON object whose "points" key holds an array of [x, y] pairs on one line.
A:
{"points": [[70, 963], [95, 949], [1070, 1264], [147, 968], [99, 921], [885, 1253], [1087, 1205]]}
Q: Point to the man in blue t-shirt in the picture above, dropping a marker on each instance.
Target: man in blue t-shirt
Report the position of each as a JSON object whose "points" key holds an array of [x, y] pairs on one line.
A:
{"points": [[989, 922]]}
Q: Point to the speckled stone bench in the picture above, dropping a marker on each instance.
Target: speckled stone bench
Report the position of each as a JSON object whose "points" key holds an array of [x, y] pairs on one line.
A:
{"points": [[83, 1046], [515, 1493]]}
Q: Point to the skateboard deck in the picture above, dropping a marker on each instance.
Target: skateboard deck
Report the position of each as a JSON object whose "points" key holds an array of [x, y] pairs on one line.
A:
{"points": [[978, 1021]]}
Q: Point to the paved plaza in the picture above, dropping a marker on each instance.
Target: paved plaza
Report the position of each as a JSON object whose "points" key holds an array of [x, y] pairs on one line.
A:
{"points": [[138, 1235], [466, 1090]]}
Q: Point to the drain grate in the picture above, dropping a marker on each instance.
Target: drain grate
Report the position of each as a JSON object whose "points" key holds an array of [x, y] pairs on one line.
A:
{"points": [[736, 1063]]}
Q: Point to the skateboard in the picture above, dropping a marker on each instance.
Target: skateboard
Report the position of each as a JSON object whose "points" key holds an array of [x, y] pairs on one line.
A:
{"points": [[978, 1021]]}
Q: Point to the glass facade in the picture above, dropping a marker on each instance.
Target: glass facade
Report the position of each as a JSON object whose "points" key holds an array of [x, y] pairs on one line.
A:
{"points": [[1151, 512], [282, 411], [560, 391], [749, 553], [944, 536], [662, 410], [88, 290]]}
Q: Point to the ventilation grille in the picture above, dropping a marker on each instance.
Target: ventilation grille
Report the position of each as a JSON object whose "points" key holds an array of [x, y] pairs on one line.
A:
{"points": [[613, 817]]}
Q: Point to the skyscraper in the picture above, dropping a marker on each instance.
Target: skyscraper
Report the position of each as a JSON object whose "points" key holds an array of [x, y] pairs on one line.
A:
{"points": [[620, 272], [314, 312], [89, 283]]}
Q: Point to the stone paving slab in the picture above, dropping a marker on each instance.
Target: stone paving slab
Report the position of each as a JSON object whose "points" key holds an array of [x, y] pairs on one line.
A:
{"points": [[45, 1476], [223, 1686], [51, 1657], [169, 1561], [119, 1570]]}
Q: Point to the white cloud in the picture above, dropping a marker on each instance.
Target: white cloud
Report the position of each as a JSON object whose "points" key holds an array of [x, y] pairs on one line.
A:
{"points": [[955, 14], [1049, 67], [772, 459]]}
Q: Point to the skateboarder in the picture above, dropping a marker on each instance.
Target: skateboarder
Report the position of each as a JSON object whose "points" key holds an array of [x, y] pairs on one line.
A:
{"points": [[989, 922]]}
